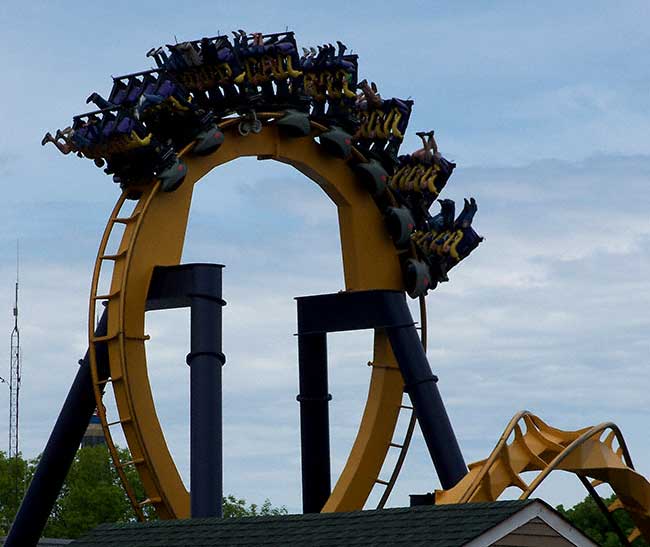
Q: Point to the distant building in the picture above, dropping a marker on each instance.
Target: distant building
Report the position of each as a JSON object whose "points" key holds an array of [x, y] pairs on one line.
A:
{"points": [[94, 434]]}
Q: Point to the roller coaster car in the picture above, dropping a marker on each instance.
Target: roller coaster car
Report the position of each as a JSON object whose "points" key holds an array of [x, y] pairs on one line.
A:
{"points": [[452, 246], [99, 135], [341, 78], [330, 78], [444, 171], [210, 77], [170, 114], [455, 245], [381, 129], [127, 90], [445, 242], [118, 93], [179, 59], [190, 53], [417, 202], [259, 45], [139, 166], [133, 167], [129, 171], [214, 50], [86, 131], [419, 180], [272, 68], [164, 93], [467, 244], [444, 220]]}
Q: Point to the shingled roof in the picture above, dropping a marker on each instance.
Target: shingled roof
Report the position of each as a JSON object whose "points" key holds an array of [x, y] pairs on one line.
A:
{"points": [[434, 526]]}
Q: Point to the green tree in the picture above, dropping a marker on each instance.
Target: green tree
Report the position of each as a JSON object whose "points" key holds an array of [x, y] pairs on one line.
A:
{"points": [[235, 507], [588, 517], [92, 494], [14, 472]]}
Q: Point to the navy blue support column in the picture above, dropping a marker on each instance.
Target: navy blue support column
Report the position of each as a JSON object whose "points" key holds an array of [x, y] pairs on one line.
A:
{"points": [[314, 421], [421, 385], [60, 450], [199, 287], [206, 430]]}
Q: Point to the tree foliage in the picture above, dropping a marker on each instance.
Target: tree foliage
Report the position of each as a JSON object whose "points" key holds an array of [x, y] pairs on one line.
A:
{"points": [[92, 494], [587, 517], [236, 507], [13, 475]]}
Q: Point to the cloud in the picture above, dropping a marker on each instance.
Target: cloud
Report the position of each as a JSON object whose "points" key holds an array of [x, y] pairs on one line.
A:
{"points": [[7, 162]]}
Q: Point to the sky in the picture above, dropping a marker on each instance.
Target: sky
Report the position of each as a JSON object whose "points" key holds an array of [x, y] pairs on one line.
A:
{"points": [[544, 107]]}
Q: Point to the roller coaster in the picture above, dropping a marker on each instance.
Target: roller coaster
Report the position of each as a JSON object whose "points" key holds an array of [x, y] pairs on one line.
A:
{"points": [[209, 102]]}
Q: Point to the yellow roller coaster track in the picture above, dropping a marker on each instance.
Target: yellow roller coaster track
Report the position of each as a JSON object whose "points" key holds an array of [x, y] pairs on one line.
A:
{"points": [[544, 449], [154, 235]]}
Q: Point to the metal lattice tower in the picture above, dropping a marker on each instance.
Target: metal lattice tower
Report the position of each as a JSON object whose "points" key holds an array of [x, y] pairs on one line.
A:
{"points": [[14, 378]]}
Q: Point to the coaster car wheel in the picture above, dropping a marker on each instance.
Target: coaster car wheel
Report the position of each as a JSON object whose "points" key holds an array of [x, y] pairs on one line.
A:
{"points": [[417, 278], [295, 123], [337, 142], [208, 141], [173, 176], [373, 176], [400, 223]]}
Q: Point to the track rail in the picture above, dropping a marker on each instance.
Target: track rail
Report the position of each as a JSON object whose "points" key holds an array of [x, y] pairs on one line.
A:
{"points": [[140, 250], [545, 449], [99, 385]]}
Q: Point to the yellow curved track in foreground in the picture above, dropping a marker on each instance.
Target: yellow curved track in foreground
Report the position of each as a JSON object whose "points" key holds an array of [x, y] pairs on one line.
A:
{"points": [[545, 449], [154, 235]]}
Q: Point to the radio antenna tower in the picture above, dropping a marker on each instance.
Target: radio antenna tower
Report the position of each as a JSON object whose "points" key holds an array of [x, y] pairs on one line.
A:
{"points": [[14, 375]]}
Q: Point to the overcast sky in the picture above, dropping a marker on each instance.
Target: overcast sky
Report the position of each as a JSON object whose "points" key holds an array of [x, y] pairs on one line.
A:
{"points": [[546, 110]]}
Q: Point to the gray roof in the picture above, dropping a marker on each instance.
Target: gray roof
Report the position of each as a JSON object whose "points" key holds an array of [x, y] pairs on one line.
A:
{"points": [[434, 526]]}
